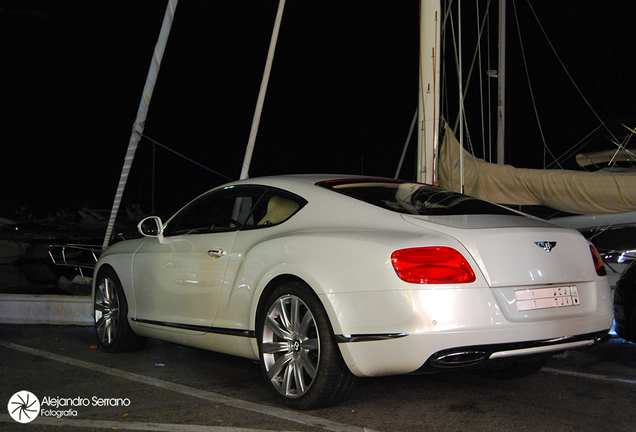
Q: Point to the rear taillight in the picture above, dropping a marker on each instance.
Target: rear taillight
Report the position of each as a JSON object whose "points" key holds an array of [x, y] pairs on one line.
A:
{"points": [[432, 265], [598, 262]]}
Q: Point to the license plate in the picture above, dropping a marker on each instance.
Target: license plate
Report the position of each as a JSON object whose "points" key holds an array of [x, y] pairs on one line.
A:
{"points": [[544, 298]]}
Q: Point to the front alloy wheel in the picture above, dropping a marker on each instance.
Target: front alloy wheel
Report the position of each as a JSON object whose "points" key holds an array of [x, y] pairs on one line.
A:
{"points": [[106, 311], [111, 315], [299, 356]]}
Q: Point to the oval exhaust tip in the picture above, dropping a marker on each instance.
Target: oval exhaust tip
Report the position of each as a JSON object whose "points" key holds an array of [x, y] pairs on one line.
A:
{"points": [[459, 359]]}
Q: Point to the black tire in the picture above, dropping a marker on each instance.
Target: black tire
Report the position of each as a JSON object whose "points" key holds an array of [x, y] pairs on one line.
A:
{"points": [[621, 316], [514, 369], [625, 304], [110, 311], [299, 356], [632, 325]]}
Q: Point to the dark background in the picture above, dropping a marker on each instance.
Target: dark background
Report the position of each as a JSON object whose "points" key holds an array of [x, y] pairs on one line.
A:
{"points": [[341, 97]]}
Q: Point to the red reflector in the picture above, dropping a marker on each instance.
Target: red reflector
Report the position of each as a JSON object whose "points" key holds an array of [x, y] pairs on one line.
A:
{"points": [[598, 262], [432, 265]]}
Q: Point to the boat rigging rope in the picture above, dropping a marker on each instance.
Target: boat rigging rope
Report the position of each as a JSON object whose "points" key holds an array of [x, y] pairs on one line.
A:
{"points": [[534, 104], [556, 160], [186, 158], [578, 89]]}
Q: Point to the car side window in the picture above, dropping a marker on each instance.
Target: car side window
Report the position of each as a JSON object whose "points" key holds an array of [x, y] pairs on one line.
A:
{"points": [[218, 211], [234, 208], [273, 208]]}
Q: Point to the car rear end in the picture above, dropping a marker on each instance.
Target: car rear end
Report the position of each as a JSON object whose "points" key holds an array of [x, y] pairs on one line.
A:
{"points": [[546, 291], [479, 286]]}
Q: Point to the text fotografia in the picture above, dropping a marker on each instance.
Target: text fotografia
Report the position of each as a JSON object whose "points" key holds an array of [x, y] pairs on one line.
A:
{"points": [[60, 402], [58, 413]]}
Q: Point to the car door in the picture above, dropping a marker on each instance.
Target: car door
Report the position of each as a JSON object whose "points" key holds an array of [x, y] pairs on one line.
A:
{"points": [[245, 266], [178, 279]]}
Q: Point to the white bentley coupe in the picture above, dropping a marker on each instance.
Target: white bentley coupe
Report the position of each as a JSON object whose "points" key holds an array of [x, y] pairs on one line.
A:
{"points": [[324, 279]]}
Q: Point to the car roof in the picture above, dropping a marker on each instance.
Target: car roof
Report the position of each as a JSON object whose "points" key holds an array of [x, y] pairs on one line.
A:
{"points": [[293, 181]]}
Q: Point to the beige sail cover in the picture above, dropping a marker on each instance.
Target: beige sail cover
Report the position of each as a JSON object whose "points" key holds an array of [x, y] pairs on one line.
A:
{"points": [[596, 192]]}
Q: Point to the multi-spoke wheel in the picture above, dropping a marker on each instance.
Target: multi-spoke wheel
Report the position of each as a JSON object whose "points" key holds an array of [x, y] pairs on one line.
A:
{"points": [[110, 312], [299, 356]]}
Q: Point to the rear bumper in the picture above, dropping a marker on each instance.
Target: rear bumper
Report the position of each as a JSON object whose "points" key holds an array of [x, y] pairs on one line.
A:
{"points": [[412, 354], [477, 355], [396, 332]]}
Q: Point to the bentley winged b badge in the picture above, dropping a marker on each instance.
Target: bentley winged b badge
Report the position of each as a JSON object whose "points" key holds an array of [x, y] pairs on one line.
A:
{"points": [[546, 245]]}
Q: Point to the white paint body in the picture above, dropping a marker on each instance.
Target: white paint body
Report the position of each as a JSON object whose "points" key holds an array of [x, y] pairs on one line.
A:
{"points": [[341, 248]]}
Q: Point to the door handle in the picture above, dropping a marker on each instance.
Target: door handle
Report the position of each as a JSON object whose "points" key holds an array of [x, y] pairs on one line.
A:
{"points": [[217, 253]]}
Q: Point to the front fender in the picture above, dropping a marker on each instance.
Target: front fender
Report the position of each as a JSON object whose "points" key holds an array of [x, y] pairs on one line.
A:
{"points": [[119, 258]]}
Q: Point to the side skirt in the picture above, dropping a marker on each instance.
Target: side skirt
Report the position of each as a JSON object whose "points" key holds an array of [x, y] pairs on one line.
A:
{"points": [[200, 329]]}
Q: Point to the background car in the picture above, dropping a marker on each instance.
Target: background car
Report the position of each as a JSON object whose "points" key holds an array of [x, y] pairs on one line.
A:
{"points": [[617, 246], [625, 304], [327, 278]]}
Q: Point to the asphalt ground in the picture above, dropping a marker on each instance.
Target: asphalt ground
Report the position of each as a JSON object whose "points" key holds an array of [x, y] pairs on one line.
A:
{"points": [[167, 387]]}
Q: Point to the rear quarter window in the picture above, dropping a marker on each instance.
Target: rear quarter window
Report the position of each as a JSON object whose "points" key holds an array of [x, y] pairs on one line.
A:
{"points": [[414, 198]]}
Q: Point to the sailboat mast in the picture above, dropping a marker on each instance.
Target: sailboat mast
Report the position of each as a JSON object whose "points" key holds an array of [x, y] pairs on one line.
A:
{"points": [[142, 112], [501, 99], [256, 120], [460, 74], [429, 94]]}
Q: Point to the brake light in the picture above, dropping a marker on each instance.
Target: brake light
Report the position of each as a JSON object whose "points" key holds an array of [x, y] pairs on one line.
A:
{"points": [[598, 262], [432, 265]]}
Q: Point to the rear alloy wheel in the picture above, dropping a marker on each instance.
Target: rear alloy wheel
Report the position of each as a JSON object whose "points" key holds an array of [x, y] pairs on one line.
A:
{"points": [[111, 315], [300, 359]]}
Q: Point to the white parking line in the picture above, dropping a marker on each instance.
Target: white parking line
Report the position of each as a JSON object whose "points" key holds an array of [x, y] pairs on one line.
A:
{"points": [[589, 375], [191, 391], [110, 425]]}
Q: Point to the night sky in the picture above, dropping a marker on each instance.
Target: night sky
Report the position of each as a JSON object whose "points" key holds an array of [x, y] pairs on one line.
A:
{"points": [[341, 98]]}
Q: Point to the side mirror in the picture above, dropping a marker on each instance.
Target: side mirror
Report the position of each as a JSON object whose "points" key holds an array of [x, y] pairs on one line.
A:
{"points": [[151, 227]]}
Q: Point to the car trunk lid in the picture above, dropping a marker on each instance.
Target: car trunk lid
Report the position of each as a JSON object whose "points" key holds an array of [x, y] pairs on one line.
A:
{"points": [[517, 251]]}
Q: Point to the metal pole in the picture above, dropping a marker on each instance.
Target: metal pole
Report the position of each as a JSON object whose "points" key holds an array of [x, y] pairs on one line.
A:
{"points": [[429, 91], [501, 105], [142, 112], [461, 100], [261, 95], [406, 145]]}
